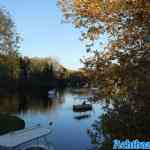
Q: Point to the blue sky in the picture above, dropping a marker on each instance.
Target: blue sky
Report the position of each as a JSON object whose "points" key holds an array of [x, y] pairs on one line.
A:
{"points": [[39, 23]]}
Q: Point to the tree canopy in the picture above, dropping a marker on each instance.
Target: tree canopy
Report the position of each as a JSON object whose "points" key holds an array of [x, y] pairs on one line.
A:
{"points": [[9, 38], [126, 23], [122, 68]]}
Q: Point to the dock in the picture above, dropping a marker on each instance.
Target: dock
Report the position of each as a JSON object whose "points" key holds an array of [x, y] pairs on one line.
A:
{"points": [[25, 139]]}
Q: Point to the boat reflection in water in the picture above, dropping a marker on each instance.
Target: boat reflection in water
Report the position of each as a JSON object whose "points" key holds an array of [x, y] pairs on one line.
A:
{"points": [[84, 116]]}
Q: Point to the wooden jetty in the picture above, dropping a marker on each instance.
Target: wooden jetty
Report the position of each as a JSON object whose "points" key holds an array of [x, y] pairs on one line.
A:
{"points": [[26, 139]]}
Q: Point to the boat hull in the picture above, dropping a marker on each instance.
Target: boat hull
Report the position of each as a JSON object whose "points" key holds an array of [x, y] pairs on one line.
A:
{"points": [[78, 108]]}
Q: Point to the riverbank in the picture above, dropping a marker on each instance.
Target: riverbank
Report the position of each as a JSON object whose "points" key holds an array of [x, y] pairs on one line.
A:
{"points": [[10, 123]]}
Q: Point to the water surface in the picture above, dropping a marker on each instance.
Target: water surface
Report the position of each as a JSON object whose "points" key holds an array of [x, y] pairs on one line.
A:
{"points": [[68, 133]]}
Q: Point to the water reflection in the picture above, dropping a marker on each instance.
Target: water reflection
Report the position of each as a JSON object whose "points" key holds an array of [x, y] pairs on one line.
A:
{"points": [[69, 128], [9, 104], [84, 116], [21, 103]]}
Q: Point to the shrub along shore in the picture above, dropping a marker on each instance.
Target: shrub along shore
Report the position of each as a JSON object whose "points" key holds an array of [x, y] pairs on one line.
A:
{"points": [[10, 123]]}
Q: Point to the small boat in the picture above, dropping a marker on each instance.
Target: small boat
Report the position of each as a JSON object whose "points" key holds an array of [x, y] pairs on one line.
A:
{"points": [[51, 93], [26, 139], [82, 107]]}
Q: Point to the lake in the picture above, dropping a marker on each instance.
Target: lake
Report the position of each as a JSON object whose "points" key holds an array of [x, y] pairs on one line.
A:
{"points": [[69, 133]]}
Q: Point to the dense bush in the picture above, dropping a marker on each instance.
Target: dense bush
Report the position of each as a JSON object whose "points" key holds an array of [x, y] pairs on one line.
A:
{"points": [[10, 123]]}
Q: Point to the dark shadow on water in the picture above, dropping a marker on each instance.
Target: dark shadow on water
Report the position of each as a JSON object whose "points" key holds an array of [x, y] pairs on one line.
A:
{"points": [[81, 117], [23, 101]]}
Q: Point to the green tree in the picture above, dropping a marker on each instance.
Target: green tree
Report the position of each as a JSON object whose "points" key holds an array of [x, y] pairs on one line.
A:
{"points": [[9, 38], [9, 44]]}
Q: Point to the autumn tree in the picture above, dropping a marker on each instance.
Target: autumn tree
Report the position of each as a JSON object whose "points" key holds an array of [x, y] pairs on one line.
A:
{"points": [[126, 24], [122, 67]]}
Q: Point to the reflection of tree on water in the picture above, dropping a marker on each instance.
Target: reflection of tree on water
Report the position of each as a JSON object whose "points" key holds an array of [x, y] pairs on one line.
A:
{"points": [[23, 102], [9, 104], [37, 103], [126, 120]]}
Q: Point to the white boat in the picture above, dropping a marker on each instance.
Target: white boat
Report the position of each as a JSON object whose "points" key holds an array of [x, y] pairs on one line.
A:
{"points": [[26, 139], [51, 93]]}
